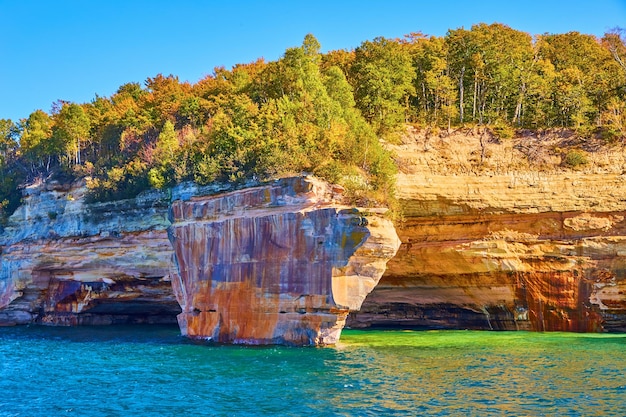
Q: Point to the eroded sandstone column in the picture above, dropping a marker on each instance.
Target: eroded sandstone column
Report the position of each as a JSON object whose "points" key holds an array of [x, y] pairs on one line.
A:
{"points": [[282, 263]]}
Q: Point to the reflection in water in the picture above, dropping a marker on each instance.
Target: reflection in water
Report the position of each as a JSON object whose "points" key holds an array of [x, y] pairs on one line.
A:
{"points": [[151, 371]]}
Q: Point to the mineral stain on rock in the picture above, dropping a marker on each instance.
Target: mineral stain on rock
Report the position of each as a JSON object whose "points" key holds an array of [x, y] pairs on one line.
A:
{"points": [[502, 248], [282, 263], [286, 262], [89, 264]]}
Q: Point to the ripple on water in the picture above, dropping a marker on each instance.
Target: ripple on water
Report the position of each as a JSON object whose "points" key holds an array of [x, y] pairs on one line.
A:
{"points": [[152, 371]]}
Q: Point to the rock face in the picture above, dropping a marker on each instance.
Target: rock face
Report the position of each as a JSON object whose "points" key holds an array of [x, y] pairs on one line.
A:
{"points": [[495, 234], [282, 263], [66, 262], [503, 245]]}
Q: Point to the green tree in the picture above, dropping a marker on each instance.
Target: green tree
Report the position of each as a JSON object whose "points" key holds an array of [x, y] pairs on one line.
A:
{"points": [[383, 78], [71, 128], [231, 141], [461, 57], [492, 65], [165, 150], [436, 94], [10, 175], [586, 77], [504, 56], [535, 106], [9, 132], [105, 130], [37, 145], [167, 144], [338, 88]]}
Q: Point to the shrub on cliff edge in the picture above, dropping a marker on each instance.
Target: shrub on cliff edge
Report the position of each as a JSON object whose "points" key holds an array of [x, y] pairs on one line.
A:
{"points": [[575, 159]]}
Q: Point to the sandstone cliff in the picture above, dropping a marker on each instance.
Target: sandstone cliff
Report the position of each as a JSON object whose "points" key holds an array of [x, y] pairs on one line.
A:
{"points": [[282, 263], [67, 262], [498, 234]]}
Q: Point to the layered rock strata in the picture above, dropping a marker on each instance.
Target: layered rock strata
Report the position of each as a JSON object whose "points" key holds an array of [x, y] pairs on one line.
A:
{"points": [[282, 263], [496, 234], [276, 264], [503, 245], [66, 262]]}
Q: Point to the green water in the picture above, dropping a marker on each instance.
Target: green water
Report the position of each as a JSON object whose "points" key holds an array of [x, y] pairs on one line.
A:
{"points": [[152, 371]]}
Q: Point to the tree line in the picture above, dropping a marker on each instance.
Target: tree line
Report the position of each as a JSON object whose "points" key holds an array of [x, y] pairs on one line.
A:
{"points": [[322, 113]]}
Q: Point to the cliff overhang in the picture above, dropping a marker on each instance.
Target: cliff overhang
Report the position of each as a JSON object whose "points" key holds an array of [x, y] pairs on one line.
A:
{"points": [[281, 263]]}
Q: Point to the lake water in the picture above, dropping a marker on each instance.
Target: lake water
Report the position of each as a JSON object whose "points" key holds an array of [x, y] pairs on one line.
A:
{"points": [[152, 371]]}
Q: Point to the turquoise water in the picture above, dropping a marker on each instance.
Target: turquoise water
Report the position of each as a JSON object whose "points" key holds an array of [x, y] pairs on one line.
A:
{"points": [[152, 371]]}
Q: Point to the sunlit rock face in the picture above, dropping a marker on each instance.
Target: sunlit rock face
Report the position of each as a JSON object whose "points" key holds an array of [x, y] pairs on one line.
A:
{"points": [[504, 247], [282, 263], [523, 250], [66, 262], [450, 274]]}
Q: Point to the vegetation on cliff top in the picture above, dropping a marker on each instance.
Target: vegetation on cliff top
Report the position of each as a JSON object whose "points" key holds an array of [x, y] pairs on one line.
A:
{"points": [[321, 113]]}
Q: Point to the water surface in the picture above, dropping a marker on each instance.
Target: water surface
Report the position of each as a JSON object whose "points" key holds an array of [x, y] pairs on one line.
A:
{"points": [[152, 371]]}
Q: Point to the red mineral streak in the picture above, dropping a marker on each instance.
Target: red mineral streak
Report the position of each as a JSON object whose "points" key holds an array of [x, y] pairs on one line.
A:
{"points": [[277, 264]]}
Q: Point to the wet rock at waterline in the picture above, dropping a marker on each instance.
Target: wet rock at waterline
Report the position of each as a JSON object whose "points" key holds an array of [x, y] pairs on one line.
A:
{"points": [[283, 263]]}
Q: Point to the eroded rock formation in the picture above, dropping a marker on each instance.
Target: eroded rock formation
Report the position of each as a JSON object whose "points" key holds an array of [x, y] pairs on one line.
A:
{"points": [[496, 234], [282, 263], [66, 262], [493, 239], [276, 264]]}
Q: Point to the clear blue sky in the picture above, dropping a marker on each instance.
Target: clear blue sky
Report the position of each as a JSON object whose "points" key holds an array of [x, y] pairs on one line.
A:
{"points": [[75, 49]]}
